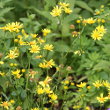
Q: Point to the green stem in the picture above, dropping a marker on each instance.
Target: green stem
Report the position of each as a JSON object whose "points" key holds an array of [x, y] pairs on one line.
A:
{"points": [[29, 59]]}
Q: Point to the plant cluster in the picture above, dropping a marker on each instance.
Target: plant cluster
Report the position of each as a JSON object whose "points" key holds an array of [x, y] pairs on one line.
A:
{"points": [[60, 62]]}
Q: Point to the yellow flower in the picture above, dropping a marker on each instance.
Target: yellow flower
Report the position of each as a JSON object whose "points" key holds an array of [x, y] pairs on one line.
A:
{"points": [[47, 90], [1, 62], [67, 10], [96, 35], [40, 90], [97, 84], [11, 64], [23, 70], [34, 35], [19, 36], [76, 106], [75, 33], [16, 40], [16, 73], [40, 40], [12, 101], [108, 95], [46, 109], [102, 99], [39, 56], [66, 82], [81, 85], [47, 64], [106, 83], [2, 73], [88, 108], [21, 42], [47, 80], [63, 5], [72, 84], [97, 12], [12, 27], [56, 11], [91, 21], [24, 33], [14, 53], [5, 104], [53, 96], [50, 63], [65, 87], [77, 52], [101, 29], [78, 21], [46, 31], [48, 47], [32, 42], [34, 49], [88, 87], [103, 21], [35, 109], [43, 65]]}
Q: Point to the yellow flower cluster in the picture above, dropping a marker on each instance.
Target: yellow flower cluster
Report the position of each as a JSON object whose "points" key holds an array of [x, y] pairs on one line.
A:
{"points": [[86, 21], [99, 11], [7, 104], [12, 27], [47, 64], [99, 84], [60, 8], [90, 21], [76, 107], [44, 88], [98, 33], [79, 52], [16, 73]]}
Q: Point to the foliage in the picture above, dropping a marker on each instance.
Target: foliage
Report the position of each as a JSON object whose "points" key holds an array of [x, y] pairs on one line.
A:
{"points": [[56, 57]]}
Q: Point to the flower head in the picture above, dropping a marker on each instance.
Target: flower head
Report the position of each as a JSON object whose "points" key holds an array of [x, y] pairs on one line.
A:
{"points": [[81, 85], [98, 33], [48, 47], [14, 53], [56, 11], [34, 49], [97, 84], [12, 27], [46, 31], [102, 99]]}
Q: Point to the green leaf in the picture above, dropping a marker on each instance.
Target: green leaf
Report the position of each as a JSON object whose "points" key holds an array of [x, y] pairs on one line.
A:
{"points": [[4, 11], [66, 23], [83, 5], [49, 3], [61, 46], [103, 65]]}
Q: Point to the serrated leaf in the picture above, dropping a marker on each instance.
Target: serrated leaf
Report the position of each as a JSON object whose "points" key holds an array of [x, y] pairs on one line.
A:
{"points": [[102, 65]]}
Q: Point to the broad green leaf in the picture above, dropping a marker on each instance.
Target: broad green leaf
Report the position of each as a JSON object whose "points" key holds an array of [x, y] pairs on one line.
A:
{"points": [[83, 5]]}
